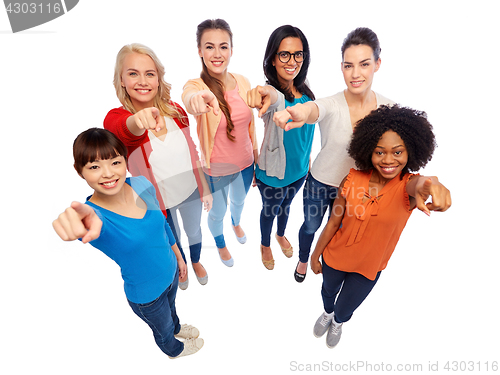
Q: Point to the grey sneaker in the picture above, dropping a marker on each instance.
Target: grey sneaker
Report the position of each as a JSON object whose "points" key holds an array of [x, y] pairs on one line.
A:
{"points": [[334, 333], [191, 346], [322, 325]]}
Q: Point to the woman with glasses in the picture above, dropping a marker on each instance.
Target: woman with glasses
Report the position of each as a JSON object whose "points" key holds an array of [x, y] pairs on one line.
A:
{"points": [[337, 116], [284, 158], [225, 129]]}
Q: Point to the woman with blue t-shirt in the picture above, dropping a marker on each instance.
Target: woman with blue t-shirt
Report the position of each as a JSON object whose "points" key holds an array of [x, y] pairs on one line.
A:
{"points": [[123, 219], [284, 157]]}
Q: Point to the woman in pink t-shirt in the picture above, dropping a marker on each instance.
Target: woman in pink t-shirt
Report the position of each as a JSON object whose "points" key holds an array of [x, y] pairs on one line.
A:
{"points": [[218, 100]]}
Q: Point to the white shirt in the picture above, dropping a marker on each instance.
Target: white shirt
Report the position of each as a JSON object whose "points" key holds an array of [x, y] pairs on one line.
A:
{"points": [[333, 162], [171, 165]]}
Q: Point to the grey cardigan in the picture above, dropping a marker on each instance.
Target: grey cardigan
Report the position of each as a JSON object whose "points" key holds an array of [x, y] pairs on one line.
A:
{"points": [[272, 158]]}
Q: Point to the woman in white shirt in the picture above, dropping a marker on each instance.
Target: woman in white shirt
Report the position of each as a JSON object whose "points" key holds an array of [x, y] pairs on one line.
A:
{"points": [[337, 116]]}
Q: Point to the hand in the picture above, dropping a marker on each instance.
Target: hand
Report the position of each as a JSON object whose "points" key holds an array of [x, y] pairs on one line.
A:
{"points": [[260, 98], [78, 221], [182, 268], [149, 119], [202, 101], [180, 262], [207, 201], [298, 113], [316, 265], [441, 197]]}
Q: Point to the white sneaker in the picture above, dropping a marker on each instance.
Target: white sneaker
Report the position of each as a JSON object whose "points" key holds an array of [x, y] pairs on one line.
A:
{"points": [[187, 332], [191, 346]]}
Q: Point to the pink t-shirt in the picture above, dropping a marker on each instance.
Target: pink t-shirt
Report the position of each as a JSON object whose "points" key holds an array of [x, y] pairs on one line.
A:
{"points": [[230, 157]]}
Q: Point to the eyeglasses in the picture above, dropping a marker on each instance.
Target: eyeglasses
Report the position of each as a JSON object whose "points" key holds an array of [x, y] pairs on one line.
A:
{"points": [[285, 56]]}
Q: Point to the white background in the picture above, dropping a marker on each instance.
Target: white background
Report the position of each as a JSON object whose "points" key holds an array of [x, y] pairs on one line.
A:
{"points": [[63, 310]]}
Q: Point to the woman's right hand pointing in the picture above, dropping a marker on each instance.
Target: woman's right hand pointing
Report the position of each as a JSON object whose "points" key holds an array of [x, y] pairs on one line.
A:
{"points": [[202, 102], [78, 221]]}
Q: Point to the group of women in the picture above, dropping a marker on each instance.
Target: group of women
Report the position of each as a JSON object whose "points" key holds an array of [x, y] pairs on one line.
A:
{"points": [[155, 130], [358, 128]]}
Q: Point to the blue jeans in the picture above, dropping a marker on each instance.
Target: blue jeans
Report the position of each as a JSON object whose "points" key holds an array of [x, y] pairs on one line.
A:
{"points": [[317, 198], [190, 211], [235, 186], [343, 292], [161, 317], [276, 203]]}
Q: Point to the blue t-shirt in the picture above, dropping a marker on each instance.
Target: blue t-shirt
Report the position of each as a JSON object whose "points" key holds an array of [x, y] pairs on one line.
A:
{"points": [[298, 144], [141, 247]]}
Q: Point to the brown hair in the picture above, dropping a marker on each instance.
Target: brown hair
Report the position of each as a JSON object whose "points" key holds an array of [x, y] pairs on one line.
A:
{"points": [[362, 36], [94, 144], [215, 85]]}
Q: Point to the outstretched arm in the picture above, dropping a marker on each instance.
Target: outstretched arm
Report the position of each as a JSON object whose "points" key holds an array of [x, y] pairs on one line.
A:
{"points": [[78, 221], [421, 187], [261, 97], [145, 119], [300, 114], [201, 102]]}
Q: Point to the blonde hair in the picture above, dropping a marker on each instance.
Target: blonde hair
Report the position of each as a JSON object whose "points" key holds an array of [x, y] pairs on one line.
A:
{"points": [[162, 99]]}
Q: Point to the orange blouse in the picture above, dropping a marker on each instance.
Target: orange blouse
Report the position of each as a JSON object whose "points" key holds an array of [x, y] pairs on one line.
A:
{"points": [[370, 230]]}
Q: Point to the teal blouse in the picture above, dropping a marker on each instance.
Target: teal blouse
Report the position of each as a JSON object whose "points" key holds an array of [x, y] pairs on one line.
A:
{"points": [[298, 144]]}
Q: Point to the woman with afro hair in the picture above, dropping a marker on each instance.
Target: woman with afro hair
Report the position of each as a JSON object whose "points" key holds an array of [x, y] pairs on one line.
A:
{"points": [[372, 209]]}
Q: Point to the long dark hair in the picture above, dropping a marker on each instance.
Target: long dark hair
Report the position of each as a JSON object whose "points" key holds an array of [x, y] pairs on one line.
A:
{"points": [[273, 44], [215, 85]]}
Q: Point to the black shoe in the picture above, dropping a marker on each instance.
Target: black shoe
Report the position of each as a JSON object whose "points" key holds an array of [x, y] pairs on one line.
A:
{"points": [[299, 277]]}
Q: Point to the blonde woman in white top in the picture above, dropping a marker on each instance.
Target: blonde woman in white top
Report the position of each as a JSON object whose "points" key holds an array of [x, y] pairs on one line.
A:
{"points": [[156, 132]]}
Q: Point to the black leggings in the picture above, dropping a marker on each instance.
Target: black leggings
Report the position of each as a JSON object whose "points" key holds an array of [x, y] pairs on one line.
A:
{"points": [[343, 292]]}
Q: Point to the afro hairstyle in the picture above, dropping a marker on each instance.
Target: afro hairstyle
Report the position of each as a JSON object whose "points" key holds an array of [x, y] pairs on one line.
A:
{"points": [[411, 125]]}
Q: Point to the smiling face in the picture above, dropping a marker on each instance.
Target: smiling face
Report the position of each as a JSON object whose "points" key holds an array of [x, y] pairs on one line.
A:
{"points": [[140, 79], [288, 71], [106, 176], [216, 50], [359, 67], [390, 155]]}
